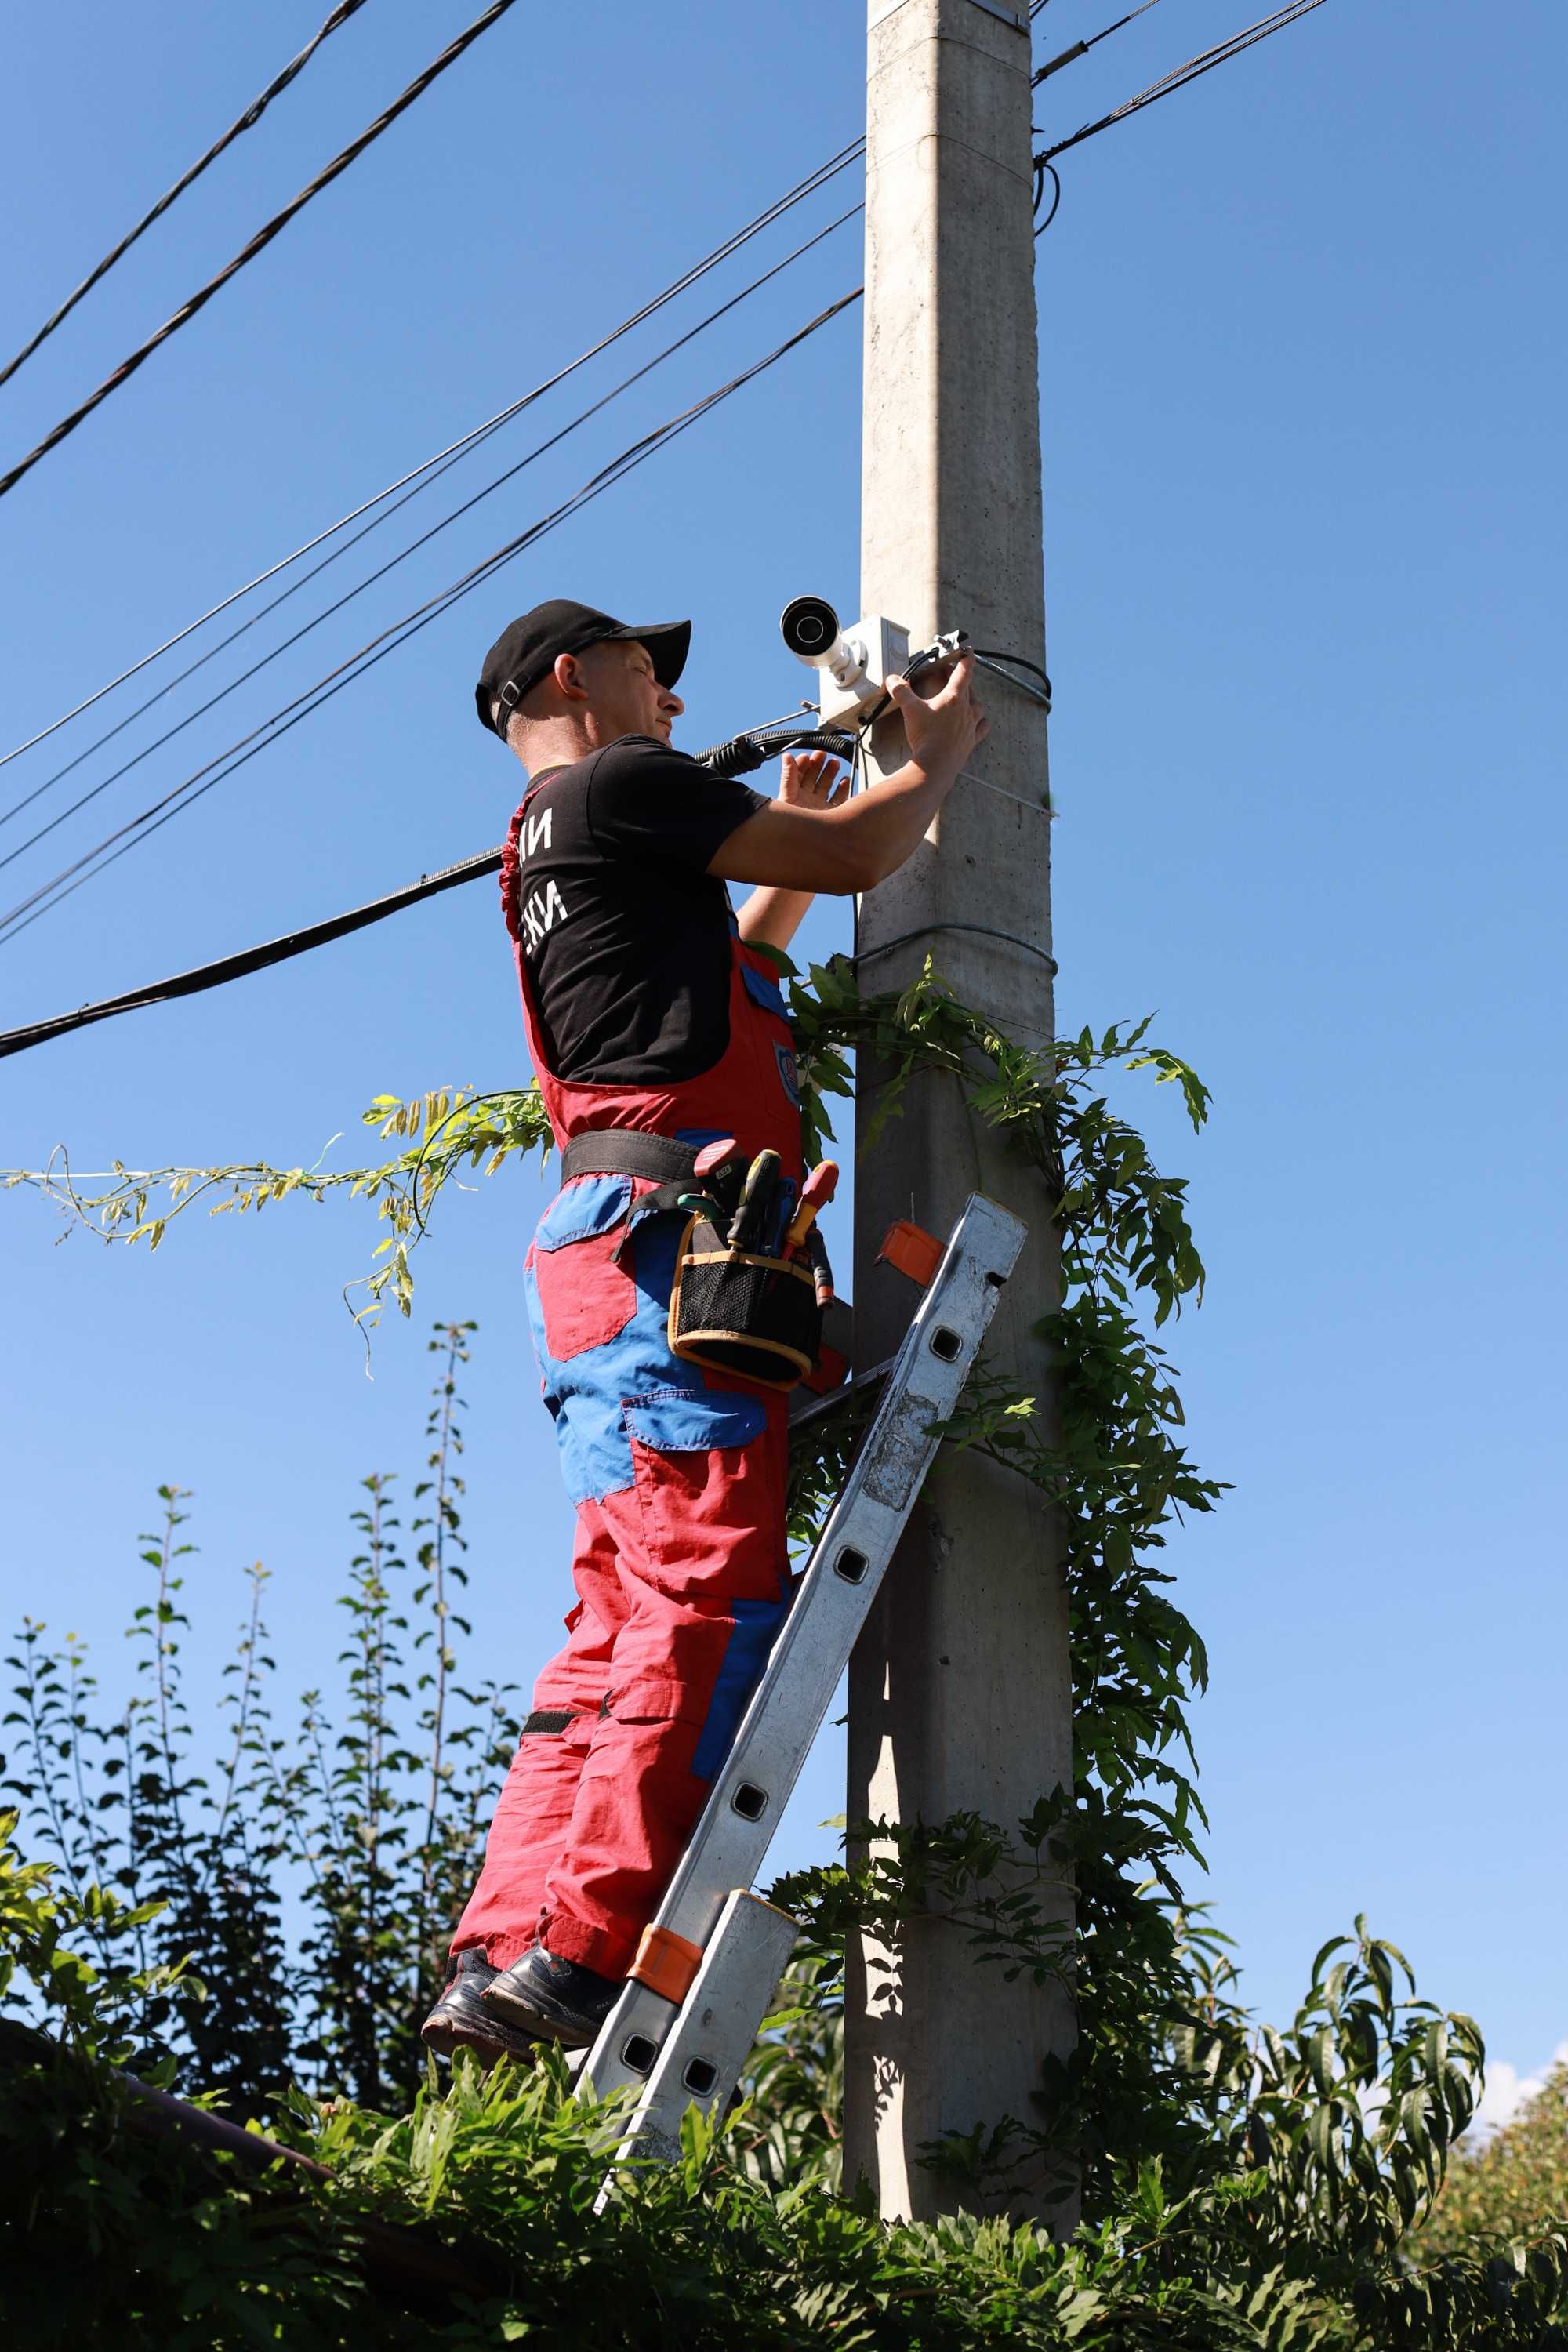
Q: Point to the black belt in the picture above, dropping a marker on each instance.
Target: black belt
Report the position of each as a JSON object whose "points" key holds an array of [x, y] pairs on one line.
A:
{"points": [[626, 1152]]}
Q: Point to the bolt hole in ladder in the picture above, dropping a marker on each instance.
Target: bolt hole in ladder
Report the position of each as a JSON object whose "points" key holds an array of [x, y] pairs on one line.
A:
{"points": [[707, 1968]]}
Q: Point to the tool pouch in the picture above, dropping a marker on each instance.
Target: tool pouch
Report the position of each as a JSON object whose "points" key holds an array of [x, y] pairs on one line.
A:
{"points": [[735, 1312]]}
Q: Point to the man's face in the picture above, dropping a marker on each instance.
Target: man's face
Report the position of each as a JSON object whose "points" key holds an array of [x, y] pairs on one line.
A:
{"points": [[627, 699]]}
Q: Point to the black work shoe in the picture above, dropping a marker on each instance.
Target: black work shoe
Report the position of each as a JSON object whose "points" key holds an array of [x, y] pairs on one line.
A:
{"points": [[460, 2021], [555, 2000]]}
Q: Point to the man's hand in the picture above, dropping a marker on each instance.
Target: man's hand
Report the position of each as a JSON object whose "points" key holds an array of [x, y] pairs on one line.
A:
{"points": [[944, 731], [812, 837], [811, 780]]}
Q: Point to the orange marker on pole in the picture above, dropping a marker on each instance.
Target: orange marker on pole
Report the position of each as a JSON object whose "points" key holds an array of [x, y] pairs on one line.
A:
{"points": [[815, 1193]]}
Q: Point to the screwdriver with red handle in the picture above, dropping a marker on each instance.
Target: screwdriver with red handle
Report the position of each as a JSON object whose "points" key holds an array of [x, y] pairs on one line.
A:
{"points": [[815, 1193]]}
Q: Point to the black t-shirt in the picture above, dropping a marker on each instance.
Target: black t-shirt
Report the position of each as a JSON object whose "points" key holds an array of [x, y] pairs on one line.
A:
{"points": [[625, 934]]}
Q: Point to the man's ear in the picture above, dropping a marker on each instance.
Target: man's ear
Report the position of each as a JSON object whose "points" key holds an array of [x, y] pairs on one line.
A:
{"points": [[569, 677]]}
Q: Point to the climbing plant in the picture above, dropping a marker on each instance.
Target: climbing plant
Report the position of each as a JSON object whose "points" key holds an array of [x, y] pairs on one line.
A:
{"points": [[1243, 2185]]}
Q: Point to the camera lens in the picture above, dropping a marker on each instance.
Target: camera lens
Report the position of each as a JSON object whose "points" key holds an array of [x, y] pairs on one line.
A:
{"points": [[810, 629]]}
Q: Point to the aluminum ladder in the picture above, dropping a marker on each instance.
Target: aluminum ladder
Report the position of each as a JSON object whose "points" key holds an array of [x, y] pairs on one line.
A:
{"points": [[707, 1968]]}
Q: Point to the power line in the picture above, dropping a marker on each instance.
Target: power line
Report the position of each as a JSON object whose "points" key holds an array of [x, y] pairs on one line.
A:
{"points": [[285, 644], [201, 781], [1081, 48], [263, 237], [762, 742], [249, 960], [247, 121], [454, 449], [1178, 78]]}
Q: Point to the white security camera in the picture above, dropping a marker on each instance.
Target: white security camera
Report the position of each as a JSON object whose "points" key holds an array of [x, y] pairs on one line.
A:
{"points": [[854, 660]]}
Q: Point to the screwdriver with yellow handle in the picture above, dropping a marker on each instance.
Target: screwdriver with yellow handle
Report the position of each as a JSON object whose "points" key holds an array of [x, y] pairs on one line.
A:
{"points": [[815, 1193], [762, 1179]]}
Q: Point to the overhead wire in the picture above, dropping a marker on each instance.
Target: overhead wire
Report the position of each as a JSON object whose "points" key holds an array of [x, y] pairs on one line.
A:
{"points": [[285, 644], [245, 121], [1044, 167], [1081, 48], [258, 959], [152, 820], [808, 186], [257, 244], [772, 736], [1179, 75], [202, 779]]}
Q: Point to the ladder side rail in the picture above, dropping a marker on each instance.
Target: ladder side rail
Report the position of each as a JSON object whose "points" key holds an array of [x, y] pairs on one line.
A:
{"points": [[732, 1833], [699, 2061]]}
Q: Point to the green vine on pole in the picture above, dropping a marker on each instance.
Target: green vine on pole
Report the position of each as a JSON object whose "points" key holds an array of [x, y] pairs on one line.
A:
{"points": [[1242, 2185], [1119, 1475]]}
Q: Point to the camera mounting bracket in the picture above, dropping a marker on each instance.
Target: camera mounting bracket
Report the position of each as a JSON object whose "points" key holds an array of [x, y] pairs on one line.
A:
{"points": [[869, 650]]}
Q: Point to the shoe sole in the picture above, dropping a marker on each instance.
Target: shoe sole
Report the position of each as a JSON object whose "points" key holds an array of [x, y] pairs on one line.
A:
{"points": [[445, 2036], [571, 2033]]}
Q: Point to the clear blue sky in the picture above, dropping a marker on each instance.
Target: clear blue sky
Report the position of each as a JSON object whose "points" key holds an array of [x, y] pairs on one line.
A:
{"points": [[1302, 343]]}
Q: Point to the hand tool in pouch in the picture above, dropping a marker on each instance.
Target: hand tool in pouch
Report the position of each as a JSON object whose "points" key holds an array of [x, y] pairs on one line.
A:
{"points": [[746, 1225], [821, 1271], [779, 1216], [702, 1204], [817, 1192]]}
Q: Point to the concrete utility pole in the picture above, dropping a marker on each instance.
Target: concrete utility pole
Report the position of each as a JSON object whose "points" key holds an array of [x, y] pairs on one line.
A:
{"points": [[960, 1695]]}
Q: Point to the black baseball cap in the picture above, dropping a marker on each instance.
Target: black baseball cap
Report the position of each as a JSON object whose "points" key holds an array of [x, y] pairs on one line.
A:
{"points": [[525, 652]]}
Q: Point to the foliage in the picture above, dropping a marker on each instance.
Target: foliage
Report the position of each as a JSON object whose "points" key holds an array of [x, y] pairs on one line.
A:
{"points": [[107, 2236], [1116, 1474], [367, 1832], [440, 1132], [1516, 2184], [788, 2135], [1278, 2189]]}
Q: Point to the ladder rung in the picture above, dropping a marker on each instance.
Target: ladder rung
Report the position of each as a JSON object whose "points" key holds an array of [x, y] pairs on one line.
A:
{"points": [[705, 1906]]}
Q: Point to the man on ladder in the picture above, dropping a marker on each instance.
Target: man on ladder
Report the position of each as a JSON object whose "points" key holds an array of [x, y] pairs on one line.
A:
{"points": [[660, 1043]]}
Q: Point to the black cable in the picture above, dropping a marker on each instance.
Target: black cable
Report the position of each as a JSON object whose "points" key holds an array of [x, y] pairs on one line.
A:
{"points": [[454, 449], [983, 930], [1178, 78], [285, 644], [247, 121], [263, 237], [388, 640], [258, 959], [1042, 165], [1019, 661], [218, 974], [747, 751], [1081, 48], [994, 660]]}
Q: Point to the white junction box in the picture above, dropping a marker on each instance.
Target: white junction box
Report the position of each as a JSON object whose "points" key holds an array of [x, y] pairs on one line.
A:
{"points": [[867, 652]]}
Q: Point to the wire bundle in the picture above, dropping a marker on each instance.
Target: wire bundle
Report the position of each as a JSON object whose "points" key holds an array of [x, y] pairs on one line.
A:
{"points": [[738, 756], [245, 121], [257, 244]]}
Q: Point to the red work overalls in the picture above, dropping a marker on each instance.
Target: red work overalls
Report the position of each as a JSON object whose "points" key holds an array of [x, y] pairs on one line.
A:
{"points": [[678, 1477]]}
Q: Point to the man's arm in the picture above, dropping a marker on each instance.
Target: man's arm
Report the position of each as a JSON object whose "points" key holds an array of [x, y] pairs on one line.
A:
{"points": [[854, 844], [771, 916]]}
